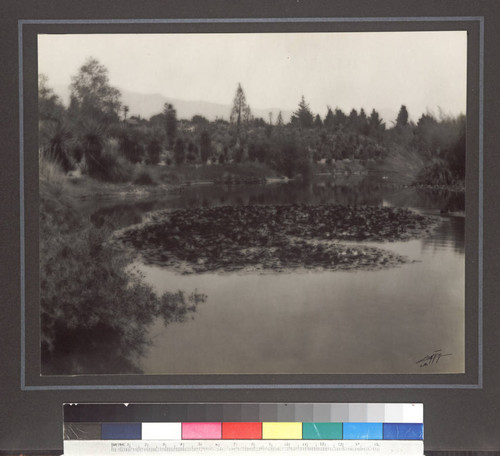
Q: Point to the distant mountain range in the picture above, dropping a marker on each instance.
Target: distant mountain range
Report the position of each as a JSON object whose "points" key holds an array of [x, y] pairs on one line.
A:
{"points": [[149, 104]]}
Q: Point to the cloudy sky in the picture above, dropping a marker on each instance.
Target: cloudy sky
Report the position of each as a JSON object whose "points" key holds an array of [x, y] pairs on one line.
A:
{"points": [[382, 70]]}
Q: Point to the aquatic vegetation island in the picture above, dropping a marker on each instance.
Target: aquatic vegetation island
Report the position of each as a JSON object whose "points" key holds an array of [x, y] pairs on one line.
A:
{"points": [[274, 237]]}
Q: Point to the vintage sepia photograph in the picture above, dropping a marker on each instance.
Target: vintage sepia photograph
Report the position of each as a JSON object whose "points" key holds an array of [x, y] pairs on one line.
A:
{"points": [[252, 203]]}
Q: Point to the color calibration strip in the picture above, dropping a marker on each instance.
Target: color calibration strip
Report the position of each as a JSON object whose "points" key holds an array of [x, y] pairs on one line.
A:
{"points": [[252, 429], [244, 422], [245, 431]]}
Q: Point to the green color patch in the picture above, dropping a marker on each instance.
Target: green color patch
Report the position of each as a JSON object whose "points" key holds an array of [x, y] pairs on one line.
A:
{"points": [[325, 431]]}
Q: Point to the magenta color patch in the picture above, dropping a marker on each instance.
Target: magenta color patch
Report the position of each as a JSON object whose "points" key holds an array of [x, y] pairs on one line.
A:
{"points": [[201, 431]]}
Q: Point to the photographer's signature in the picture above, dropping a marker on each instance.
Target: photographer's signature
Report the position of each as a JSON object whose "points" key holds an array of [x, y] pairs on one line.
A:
{"points": [[433, 358]]}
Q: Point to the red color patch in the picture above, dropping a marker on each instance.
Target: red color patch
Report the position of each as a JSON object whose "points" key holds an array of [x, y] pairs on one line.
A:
{"points": [[239, 431]]}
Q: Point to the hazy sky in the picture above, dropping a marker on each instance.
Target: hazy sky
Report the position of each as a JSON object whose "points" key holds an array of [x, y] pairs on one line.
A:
{"points": [[382, 70]]}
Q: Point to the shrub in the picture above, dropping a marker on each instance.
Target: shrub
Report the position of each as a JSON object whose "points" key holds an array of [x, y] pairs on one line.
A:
{"points": [[130, 146], [437, 173], [179, 152], [117, 168], [144, 178], [50, 172], [95, 308], [154, 151], [293, 160]]}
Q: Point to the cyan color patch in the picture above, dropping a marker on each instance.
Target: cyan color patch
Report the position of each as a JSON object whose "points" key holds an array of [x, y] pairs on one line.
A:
{"points": [[363, 431], [323, 431], [121, 431], [403, 431]]}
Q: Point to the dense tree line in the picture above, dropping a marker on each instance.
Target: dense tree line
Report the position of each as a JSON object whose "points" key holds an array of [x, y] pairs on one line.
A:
{"points": [[95, 134]]}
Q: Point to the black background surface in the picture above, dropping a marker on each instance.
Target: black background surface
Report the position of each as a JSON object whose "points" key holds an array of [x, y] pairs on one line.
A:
{"points": [[455, 419]]}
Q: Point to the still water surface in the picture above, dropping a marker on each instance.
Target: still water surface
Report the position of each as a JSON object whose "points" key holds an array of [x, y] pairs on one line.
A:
{"points": [[317, 322]]}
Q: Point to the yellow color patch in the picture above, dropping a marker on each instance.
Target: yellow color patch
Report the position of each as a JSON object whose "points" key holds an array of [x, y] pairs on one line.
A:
{"points": [[282, 431]]}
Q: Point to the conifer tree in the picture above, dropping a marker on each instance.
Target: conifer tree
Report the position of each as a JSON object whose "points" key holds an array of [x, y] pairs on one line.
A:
{"points": [[402, 119], [303, 117], [240, 113]]}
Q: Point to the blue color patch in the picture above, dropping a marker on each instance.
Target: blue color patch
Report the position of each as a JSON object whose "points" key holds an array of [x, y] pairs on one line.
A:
{"points": [[121, 431], [363, 431], [403, 431]]}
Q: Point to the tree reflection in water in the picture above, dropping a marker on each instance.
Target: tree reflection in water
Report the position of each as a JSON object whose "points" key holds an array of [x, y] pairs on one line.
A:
{"points": [[111, 345]]}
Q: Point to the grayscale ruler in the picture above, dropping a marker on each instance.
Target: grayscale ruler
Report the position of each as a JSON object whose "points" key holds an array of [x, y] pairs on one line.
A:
{"points": [[250, 448]]}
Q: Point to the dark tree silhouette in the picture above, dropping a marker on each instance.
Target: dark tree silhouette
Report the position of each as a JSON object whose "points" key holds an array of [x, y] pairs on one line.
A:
{"points": [[303, 117], [170, 123], [329, 121], [205, 146], [402, 119], [353, 119], [179, 151], [199, 120], [362, 123], [376, 126], [154, 150], [240, 112], [340, 118]]}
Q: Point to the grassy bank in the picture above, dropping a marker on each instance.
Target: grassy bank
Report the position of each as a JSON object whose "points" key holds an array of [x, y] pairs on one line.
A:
{"points": [[154, 179], [95, 307], [250, 172]]}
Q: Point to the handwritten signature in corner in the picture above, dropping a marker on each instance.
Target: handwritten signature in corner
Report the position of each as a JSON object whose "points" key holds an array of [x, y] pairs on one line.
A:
{"points": [[433, 358]]}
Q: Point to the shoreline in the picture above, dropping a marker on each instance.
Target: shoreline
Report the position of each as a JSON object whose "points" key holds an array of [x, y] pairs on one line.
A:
{"points": [[96, 190]]}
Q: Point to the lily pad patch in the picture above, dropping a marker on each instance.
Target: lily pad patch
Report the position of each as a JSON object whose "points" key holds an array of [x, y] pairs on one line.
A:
{"points": [[274, 238]]}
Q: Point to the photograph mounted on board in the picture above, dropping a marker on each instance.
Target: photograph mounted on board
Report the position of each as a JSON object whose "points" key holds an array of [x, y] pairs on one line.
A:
{"points": [[265, 203]]}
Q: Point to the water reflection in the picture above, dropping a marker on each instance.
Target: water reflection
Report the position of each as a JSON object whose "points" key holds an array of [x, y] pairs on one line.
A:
{"points": [[107, 342], [328, 322], [321, 191], [450, 234]]}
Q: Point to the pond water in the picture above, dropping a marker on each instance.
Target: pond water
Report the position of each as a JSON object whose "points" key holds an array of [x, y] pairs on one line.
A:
{"points": [[327, 322]]}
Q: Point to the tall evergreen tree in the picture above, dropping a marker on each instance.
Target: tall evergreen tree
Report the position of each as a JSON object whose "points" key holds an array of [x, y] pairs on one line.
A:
{"points": [[353, 119], [340, 118], [170, 115], [303, 117], [329, 121], [375, 124], [240, 113], [362, 123], [402, 119]]}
